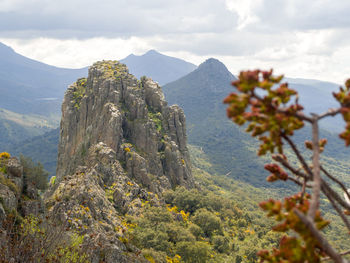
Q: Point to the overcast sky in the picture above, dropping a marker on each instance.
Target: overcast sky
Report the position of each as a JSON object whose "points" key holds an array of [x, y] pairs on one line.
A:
{"points": [[308, 39]]}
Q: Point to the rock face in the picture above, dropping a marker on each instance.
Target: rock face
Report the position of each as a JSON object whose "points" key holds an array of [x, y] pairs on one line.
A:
{"points": [[15, 194], [120, 147], [132, 118]]}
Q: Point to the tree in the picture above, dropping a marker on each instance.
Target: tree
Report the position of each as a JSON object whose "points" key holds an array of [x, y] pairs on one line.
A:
{"points": [[273, 114], [34, 173]]}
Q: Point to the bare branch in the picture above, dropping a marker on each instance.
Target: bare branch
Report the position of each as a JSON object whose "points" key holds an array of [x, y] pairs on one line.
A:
{"points": [[298, 154], [336, 180], [326, 247], [302, 184], [339, 211], [342, 254], [286, 164], [327, 189], [330, 112], [303, 189], [316, 186]]}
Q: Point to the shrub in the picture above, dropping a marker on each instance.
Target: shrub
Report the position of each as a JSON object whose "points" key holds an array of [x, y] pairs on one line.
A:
{"points": [[221, 244], [4, 155], [194, 252], [208, 222], [33, 239], [188, 200], [34, 173], [8, 182]]}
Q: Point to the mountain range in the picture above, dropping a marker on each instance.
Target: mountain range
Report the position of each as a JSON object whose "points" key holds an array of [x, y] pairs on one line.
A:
{"points": [[200, 93], [159, 67], [127, 179], [31, 87]]}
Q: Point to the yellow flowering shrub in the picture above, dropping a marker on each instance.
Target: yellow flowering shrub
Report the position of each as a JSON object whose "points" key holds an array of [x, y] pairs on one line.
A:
{"points": [[127, 149], [4, 155]]}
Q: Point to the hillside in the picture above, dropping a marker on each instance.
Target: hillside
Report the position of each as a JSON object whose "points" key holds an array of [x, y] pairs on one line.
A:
{"points": [[17, 127], [31, 87], [229, 149], [200, 94], [317, 97], [159, 67], [41, 148]]}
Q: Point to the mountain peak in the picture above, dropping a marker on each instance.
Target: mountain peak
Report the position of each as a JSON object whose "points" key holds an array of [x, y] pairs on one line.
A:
{"points": [[152, 52], [213, 64], [159, 67]]}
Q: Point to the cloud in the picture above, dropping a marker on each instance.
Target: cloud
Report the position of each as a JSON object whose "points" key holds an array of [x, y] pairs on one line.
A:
{"points": [[77, 53], [298, 37], [276, 15], [110, 18]]}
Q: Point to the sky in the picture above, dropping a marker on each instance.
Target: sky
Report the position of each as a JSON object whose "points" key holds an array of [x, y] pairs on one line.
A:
{"points": [[298, 38]]}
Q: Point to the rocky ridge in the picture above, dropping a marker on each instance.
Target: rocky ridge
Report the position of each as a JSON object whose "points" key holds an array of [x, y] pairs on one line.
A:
{"points": [[132, 118], [17, 195], [120, 147]]}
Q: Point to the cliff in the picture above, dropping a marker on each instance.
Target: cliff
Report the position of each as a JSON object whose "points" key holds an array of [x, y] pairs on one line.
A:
{"points": [[129, 116], [120, 147]]}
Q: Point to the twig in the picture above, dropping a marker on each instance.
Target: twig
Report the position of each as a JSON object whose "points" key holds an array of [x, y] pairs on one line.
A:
{"points": [[286, 164], [342, 254], [303, 189], [339, 211], [326, 247], [298, 154], [330, 112], [336, 180], [327, 189], [299, 183]]}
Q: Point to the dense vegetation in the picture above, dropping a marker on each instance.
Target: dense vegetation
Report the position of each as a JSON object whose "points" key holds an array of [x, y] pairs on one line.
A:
{"points": [[207, 224]]}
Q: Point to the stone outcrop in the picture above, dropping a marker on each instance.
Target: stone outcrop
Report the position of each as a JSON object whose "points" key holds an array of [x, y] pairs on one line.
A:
{"points": [[120, 146], [132, 118], [16, 195], [93, 202]]}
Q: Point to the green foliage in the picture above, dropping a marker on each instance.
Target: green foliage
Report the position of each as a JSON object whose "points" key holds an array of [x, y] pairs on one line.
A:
{"points": [[221, 243], [194, 252], [8, 182], [208, 222], [35, 239], [52, 180], [156, 117], [79, 90], [216, 230], [34, 173]]}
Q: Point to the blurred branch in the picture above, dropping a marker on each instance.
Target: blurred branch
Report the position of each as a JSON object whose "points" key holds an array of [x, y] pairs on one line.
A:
{"points": [[317, 235]]}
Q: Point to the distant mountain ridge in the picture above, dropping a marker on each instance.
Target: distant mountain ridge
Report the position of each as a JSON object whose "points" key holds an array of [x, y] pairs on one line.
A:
{"points": [[28, 86], [316, 96], [200, 94], [159, 67], [228, 147]]}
